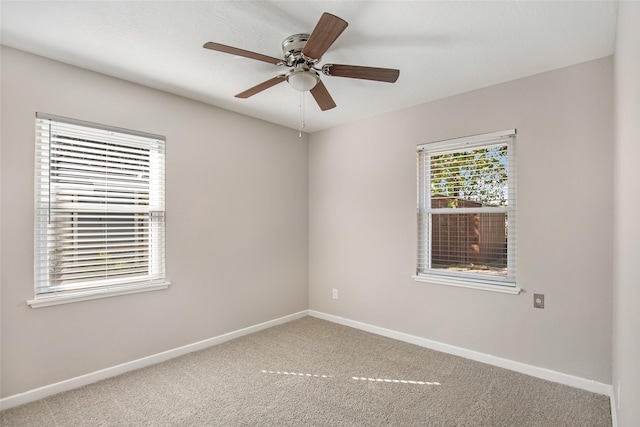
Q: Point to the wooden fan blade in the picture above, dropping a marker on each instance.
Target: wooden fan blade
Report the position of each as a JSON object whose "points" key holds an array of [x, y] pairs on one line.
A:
{"points": [[388, 75], [322, 97], [327, 30], [241, 52], [262, 86]]}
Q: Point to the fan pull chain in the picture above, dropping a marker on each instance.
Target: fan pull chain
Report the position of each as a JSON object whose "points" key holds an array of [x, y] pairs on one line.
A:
{"points": [[301, 124]]}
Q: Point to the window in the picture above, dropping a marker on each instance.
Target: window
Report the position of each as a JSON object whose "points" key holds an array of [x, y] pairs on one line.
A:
{"points": [[99, 211], [467, 212]]}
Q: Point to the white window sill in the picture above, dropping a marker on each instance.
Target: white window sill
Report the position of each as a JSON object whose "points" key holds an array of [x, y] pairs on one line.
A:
{"points": [[471, 284], [69, 297]]}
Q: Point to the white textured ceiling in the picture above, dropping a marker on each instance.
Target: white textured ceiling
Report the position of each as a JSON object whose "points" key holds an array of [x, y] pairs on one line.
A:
{"points": [[442, 48]]}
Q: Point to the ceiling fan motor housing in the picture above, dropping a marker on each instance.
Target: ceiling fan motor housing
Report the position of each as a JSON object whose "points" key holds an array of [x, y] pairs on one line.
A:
{"points": [[302, 77], [292, 47]]}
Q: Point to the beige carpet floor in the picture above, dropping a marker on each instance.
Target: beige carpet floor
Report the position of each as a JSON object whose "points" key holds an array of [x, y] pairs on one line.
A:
{"points": [[311, 372]]}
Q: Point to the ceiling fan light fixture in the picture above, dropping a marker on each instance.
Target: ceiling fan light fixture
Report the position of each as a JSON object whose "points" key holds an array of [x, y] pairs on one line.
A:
{"points": [[303, 80], [302, 53]]}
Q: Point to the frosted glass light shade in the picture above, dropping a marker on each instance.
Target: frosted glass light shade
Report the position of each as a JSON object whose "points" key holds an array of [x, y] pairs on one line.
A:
{"points": [[303, 80]]}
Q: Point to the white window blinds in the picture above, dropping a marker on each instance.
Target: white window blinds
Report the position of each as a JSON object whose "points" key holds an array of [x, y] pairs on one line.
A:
{"points": [[99, 207], [467, 209]]}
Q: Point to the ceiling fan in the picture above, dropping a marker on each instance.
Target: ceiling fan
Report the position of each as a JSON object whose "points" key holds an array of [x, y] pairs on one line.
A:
{"points": [[302, 53]]}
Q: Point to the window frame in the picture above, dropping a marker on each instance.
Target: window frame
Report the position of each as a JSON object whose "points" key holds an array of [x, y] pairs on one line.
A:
{"points": [[128, 199], [474, 280]]}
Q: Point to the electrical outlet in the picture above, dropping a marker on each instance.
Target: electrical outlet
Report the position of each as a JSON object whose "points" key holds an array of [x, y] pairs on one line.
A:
{"points": [[335, 294], [538, 300]]}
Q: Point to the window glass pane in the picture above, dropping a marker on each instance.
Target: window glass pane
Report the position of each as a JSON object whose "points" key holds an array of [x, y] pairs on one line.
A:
{"points": [[475, 242], [94, 246], [470, 178]]}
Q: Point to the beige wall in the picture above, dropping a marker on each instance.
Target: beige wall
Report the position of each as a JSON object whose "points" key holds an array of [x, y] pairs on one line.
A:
{"points": [[626, 302], [362, 185], [237, 233], [251, 221]]}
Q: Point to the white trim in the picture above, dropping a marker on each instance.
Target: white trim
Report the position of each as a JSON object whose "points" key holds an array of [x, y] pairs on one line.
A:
{"points": [[458, 211], [73, 383], [46, 116], [523, 368], [546, 374], [484, 285], [471, 139], [97, 293], [614, 409]]}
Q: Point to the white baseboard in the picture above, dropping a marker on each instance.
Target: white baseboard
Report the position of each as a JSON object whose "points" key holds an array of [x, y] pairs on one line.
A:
{"points": [[546, 374], [73, 383], [523, 368], [614, 413]]}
